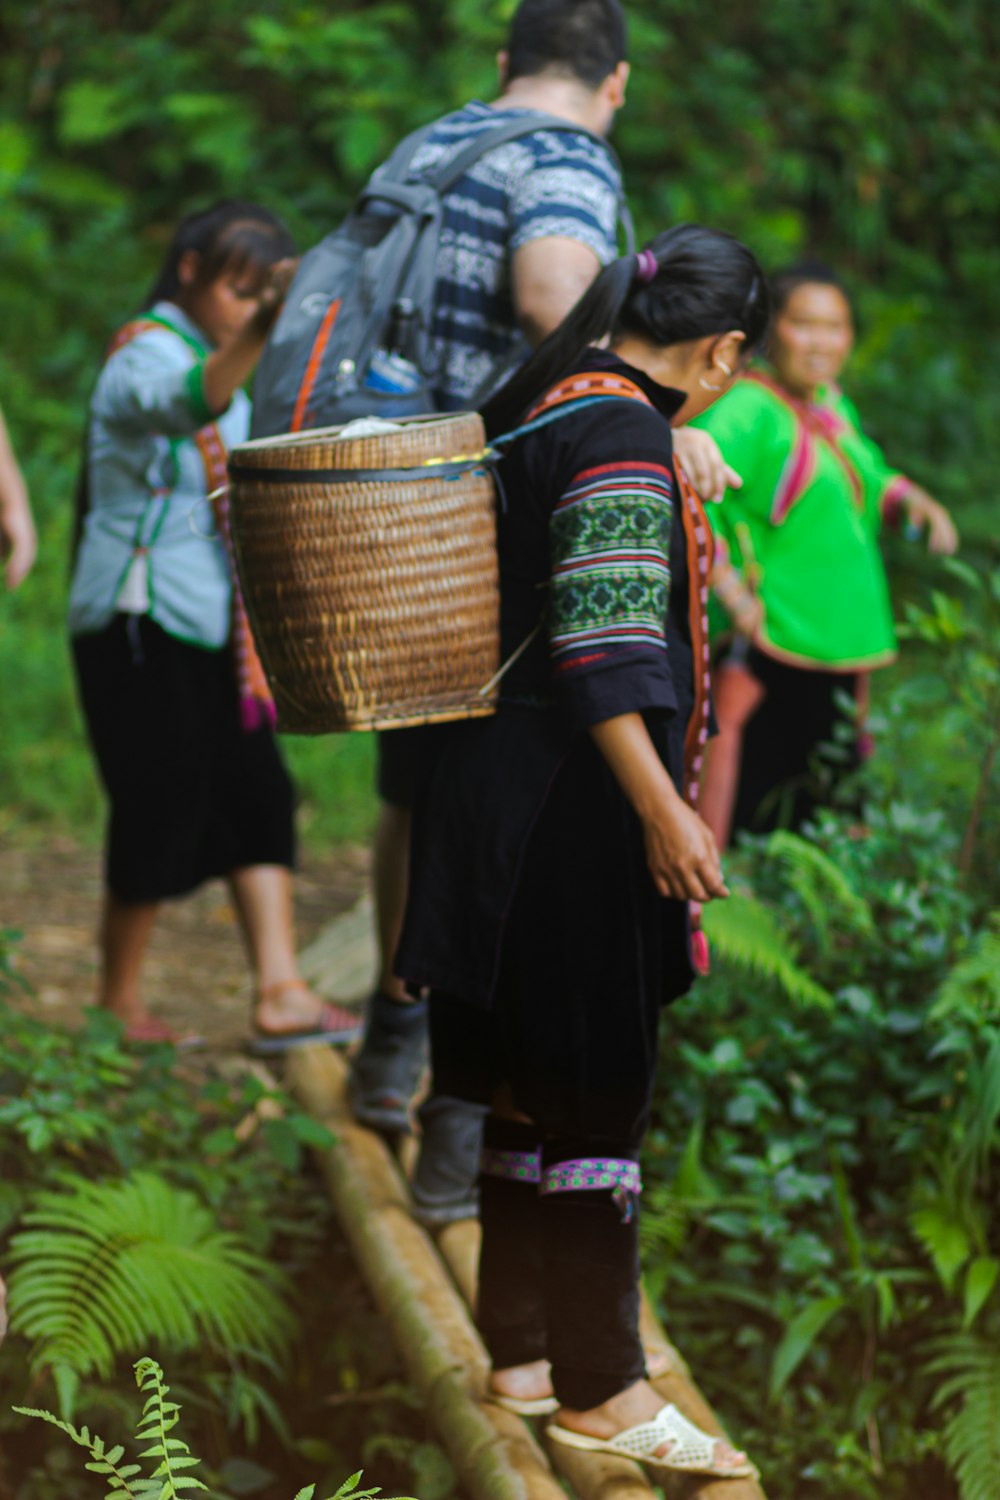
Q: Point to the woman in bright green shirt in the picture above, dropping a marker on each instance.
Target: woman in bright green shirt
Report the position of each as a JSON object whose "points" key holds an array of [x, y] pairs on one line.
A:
{"points": [[799, 579]]}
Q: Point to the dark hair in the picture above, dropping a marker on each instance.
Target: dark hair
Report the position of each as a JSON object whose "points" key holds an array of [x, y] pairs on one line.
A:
{"points": [[582, 39], [704, 282], [803, 273], [232, 235]]}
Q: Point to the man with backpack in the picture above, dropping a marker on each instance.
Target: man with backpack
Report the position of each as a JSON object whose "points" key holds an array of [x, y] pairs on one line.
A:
{"points": [[524, 231], [530, 203]]}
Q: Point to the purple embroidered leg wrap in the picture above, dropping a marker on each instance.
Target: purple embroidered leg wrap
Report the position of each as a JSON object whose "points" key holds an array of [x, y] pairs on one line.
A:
{"points": [[590, 1236], [515, 1166], [588, 1174]]}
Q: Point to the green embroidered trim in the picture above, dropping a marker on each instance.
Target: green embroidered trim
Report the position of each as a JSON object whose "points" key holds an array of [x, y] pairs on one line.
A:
{"points": [[195, 383]]}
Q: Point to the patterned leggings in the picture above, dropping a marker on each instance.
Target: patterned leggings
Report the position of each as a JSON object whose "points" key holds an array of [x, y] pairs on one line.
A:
{"points": [[559, 1270]]}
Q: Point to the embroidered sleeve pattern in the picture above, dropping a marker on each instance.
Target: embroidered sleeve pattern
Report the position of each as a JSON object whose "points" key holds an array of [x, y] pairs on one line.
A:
{"points": [[610, 540]]}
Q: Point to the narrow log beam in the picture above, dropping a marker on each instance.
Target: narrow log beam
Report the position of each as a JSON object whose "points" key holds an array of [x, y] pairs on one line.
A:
{"points": [[494, 1453]]}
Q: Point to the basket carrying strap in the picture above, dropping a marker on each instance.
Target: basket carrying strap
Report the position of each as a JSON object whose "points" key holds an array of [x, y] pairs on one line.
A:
{"points": [[602, 384], [255, 701]]}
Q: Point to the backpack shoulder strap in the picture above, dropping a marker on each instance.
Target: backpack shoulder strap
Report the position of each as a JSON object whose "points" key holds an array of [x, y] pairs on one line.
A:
{"points": [[514, 129], [398, 165]]}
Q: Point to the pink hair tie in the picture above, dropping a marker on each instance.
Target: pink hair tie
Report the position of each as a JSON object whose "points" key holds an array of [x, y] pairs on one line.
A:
{"points": [[646, 267]]}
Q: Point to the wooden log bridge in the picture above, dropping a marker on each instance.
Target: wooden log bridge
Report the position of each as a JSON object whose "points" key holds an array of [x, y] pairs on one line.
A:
{"points": [[424, 1290]]}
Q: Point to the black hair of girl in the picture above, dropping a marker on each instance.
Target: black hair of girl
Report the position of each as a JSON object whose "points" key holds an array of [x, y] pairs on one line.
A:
{"points": [[803, 273], [706, 282], [231, 234]]}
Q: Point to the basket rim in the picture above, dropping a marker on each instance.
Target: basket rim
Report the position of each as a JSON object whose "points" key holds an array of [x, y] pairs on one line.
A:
{"points": [[311, 435]]}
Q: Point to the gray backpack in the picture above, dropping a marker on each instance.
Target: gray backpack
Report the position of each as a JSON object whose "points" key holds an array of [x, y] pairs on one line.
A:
{"points": [[354, 336]]}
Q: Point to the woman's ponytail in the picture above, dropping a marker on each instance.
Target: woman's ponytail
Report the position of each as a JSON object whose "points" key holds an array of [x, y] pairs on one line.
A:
{"points": [[685, 284], [588, 322]]}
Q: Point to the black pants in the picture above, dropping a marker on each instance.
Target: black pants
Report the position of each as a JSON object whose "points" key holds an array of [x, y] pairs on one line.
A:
{"points": [[193, 796], [795, 750], [559, 1271]]}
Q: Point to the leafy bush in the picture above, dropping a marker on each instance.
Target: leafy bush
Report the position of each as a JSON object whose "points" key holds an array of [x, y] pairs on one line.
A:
{"points": [[824, 1178], [171, 1479], [117, 118], [101, 1269], [140, 1203]]}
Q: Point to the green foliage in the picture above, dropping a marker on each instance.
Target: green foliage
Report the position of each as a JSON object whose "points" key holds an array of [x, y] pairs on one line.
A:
{"points": [[170, 1479], [970, 1393], [745, 932], [79, 1099], [116, 118], [102, 1268], [821, 1202], [225, 1153], [973, 985]]}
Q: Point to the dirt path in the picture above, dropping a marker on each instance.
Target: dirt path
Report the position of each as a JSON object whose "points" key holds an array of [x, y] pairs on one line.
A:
{"points": [[196, 974]]}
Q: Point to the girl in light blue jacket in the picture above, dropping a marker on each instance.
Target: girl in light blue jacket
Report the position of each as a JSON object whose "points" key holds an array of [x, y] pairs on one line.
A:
{"points": [[175, 702]]}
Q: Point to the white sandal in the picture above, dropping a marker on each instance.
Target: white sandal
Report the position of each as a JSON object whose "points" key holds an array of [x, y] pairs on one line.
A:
{"points": [[523, 1406], [693, 1451]]}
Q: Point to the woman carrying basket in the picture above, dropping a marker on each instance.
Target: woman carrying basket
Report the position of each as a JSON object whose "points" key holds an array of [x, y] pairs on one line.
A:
{"points": [[559, 847], [174, 698]]}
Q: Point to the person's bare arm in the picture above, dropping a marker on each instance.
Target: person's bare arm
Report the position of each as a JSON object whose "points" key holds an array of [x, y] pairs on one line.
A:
{"points": [[229, 366], [549, 276], [700, 456], [18, 541], [680, 849], [922, 510]]}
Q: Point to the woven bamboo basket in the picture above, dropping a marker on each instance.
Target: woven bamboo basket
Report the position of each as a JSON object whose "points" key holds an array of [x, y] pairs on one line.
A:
{"points": [[369, 570]]}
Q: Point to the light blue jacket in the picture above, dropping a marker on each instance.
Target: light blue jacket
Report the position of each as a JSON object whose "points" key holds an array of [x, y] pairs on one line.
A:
{"points": [[148, 489]]}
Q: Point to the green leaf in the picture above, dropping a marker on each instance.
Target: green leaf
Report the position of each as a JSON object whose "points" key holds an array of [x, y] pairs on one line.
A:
{"points": [[980, 1280], [91, 112], [799, 1337], [945, 1241]]}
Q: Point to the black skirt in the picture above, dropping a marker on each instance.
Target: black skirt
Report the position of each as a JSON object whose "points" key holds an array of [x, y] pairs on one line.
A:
{"points": [[193, 796], [797, 748], [589, 955]]}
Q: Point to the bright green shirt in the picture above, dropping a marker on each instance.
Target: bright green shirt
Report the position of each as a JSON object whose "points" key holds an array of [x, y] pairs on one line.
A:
{"points": [[803, 530]]}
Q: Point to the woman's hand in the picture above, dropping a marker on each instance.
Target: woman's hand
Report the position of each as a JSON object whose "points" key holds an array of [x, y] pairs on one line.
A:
{"points": [[272, 296], [229, 366], [682, 854], [18, 539], [700, 456], [680, 849], [922, 510], [18, 543]]}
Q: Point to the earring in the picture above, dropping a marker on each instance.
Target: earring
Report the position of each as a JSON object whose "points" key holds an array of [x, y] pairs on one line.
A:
{"points": [[719, 365]]}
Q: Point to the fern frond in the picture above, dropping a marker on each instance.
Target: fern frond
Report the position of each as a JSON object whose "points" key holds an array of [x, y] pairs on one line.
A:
{"points": [[745, 932], [106, 1462], [105, 1268], [972, 1429], [821, 885], [158, 1420], [974, 983]]}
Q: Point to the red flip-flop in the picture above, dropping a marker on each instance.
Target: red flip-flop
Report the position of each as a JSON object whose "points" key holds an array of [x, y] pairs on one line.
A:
{"points": [[151, 1030], [334, 1025]]}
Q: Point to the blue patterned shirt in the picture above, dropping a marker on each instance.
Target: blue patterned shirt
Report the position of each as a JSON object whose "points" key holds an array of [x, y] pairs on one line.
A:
{"points": [[548, 183]]}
